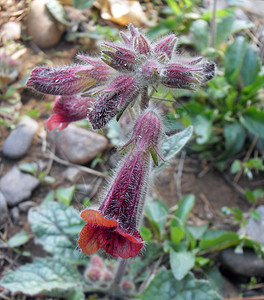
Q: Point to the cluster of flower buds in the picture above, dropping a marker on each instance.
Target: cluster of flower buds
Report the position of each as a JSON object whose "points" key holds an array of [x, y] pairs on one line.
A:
{"points": [[114, 226], [101, 88]]}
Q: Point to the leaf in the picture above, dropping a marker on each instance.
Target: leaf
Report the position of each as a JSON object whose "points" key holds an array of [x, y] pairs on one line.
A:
{"points": [[56, 228], [181, 263], [224, 28], [250, 67], [42, 276], [57, 11], [83, 4], [202, 128], [177, 234], [199, 31], [156, 213], [197, 231], [145, 233], [234, 59], [28, 168], [239, 25], [65, 195], [185, 206], [164, 286], [236, 166], [18, 239], [173, 145], [253, 120]]}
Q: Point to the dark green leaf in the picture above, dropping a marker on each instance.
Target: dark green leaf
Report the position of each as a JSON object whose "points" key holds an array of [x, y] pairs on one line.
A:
{"points": [[164, 286], [234, 59], [42, 276], [181, 263], [185, 205], [253, 120], [18, 239]]}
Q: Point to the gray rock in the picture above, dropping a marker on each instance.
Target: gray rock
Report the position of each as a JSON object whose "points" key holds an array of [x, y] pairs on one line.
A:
{"points": [[46, 32], [15, 215], [3, 210], [78, 145], [11, 31], [255, 229], [71, 174], [19, 140], [246, 264], [25, 206], [17, 186]]}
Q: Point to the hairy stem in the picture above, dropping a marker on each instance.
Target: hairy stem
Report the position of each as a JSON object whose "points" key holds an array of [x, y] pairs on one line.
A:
{"points": [[144, 98]]}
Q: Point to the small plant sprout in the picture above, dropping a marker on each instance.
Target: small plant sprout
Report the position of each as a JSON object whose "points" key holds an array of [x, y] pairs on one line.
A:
{"points": [[102, 88]]}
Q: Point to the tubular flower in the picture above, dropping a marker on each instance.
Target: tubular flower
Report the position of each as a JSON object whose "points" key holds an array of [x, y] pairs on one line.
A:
{"points": [[123, 73], [67, 109], [113, 227]]}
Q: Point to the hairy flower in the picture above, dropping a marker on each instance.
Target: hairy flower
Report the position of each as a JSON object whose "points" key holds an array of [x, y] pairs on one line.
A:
{"points": [[113, 227]]}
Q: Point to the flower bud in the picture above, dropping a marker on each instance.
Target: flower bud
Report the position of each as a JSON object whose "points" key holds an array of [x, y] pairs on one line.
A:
{"points": [[94, 274], [97, 262], [127, 286], [166, 45]]}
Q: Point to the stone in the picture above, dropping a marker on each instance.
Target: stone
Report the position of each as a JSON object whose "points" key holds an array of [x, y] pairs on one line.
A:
{"points": [[46, 32], [254, 228], [26, 205], [71, 174], [19, 140], [15, 215], [11, 31], [17, 186], [78, 145], [246, 264], [3, 210]]}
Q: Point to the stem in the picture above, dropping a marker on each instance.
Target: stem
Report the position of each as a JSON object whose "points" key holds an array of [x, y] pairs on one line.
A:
{"points": [[212, 42], [144, 98], [121, 268]]}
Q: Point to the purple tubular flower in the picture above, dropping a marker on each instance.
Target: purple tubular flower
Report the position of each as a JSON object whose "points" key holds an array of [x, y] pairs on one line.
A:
{"points": [[68, 109], [60, 81], [114, 226], [119, 58], [166, 45], [115, 98], [141, 45]]}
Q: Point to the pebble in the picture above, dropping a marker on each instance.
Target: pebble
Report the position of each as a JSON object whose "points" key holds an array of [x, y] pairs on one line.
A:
{"points": [[71, 174], [15, 215], [17, 186], [26, 205], [246, 264], [46, 32], [254, 228], [78, 145], [3, 210], [19, 140], [11, 31]]}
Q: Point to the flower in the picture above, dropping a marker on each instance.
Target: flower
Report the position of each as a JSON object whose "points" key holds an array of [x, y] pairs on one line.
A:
{"points": [[123, 73], [113, 227]]}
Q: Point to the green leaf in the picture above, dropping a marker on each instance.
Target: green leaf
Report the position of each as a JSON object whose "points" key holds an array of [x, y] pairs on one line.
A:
{"points": [[83, 4], [65, 195], [164, 286], [197, 231], [173, 145], [156, 212], [185, 206], [224, 28], [199, 32], [254, 214], [218, 240], [56, 228], [250, 67], [76, 294], [177, 234], [145, 233], [202, 128], [57, 11], [42, 276], [253, 120], [28, 168], [236, 166], [18, 239], [181, 263], [49, 197], [239, 25], [250, 196], [234, 59]]}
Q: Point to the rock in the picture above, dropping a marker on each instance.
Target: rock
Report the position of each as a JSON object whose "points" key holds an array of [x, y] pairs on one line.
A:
{"points": [[15, 215], [78, 145], [17, 186], [19, 140], [246, 264], [3, 210], [255, 229], [71, 174], [11, 31], [25, 206], [46, 32]]}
